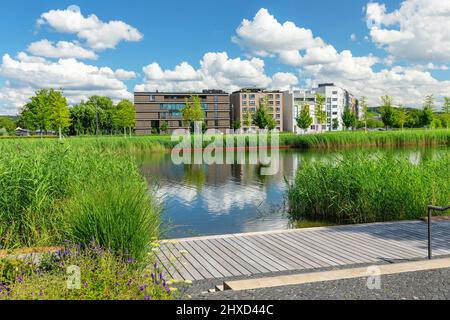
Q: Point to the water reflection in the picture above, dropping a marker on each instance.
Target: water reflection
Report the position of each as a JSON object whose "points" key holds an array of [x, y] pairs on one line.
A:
{"points": [[233, 198]]}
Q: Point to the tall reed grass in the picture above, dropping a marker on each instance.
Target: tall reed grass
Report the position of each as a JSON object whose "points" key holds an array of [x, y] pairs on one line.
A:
{"points": [[51, 191], [330, 140], [360, 188]]}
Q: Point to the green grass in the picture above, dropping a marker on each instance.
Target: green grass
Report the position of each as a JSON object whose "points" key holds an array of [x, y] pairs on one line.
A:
{"points": [[330, 140], [360, 188], [51, 191]]}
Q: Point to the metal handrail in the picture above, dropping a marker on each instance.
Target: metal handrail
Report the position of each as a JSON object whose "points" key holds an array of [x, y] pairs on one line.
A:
{"points": [[430, 212]]}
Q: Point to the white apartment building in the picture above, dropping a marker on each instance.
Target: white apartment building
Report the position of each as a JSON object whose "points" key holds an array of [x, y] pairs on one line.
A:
{"points": [[336, 99]]}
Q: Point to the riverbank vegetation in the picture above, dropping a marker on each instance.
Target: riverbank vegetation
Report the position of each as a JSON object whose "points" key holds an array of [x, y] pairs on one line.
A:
{"points": [[360, 188], [51, 191]]}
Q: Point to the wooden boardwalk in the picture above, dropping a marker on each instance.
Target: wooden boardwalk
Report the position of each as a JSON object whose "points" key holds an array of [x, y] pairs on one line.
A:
{"points": [[264, 252]]}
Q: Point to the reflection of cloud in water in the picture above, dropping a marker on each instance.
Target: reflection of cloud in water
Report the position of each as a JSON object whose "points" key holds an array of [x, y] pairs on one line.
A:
{"points": [[220, 200], [184, 194]]}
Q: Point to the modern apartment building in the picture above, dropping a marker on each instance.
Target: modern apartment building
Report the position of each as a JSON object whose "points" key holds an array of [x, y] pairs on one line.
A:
{"points": [[248, 100], [155, 108], [336, 99]]}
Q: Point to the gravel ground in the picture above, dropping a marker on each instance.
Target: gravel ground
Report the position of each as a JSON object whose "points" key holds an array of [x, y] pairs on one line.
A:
{"points": [[429, 284]]}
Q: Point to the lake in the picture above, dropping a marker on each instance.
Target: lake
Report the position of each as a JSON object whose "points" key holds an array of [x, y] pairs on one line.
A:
{"points": [[234, 198]]}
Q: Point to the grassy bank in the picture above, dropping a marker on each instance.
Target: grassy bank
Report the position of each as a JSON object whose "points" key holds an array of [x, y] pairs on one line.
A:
{"points": [[368, 188], [326, 140], [51, 191], [330, 140]]}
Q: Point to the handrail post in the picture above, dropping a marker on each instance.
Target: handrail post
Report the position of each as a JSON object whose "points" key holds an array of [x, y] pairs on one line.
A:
{"points": [[429, 233]]}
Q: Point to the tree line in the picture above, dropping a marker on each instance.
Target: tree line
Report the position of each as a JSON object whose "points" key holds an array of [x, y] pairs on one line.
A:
{"points": [[48, 111]]}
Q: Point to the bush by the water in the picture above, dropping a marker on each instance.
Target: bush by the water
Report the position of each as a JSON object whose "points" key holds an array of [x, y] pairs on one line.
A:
{"points": [[359, 188]]}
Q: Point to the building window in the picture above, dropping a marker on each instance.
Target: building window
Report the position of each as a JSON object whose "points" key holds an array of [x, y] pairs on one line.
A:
{"points": [[252, 109], [244, 96], [252, 102], [270, 96], [151, 98], [278, 96], [216, 99], [278, 103], [244, 103], [335, 99], [252, 96], [335, 92]]}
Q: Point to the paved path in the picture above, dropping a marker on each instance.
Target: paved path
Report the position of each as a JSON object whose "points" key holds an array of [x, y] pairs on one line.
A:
{"points": [[419, 285], [250, 254]]}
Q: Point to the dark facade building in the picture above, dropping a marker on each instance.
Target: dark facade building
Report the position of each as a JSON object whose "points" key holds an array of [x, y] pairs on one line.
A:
{"points": [[155, 108]]}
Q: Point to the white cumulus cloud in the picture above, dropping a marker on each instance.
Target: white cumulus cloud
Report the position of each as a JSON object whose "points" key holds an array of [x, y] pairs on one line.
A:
{"points": [[62, 49], [98, 35], [216, 71], [26, 74], [417, 31]]}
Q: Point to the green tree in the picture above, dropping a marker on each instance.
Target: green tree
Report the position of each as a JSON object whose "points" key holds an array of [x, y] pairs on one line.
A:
{"points": [[348, 118], [124, 116], [37, 114], [364, 110], [237, 125], [401, 116], [84, 118], [261, 117], [104, 113], [192, 111], [271, 123], [414, 119], [304, 119], [60, 117], [319, 108], [335, 124], [247, 119], [387, 111], [8, 124], [428, 110], [164, 126]]}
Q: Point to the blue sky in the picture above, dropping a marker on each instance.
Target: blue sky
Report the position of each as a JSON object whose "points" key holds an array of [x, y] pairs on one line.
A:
{"points": [[166, 33]]}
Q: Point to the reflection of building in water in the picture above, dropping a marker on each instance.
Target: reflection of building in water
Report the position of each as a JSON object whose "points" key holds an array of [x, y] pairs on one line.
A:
{"points": [[218, 174]]}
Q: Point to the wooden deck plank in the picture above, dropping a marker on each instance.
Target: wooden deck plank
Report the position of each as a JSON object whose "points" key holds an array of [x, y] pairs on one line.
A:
{"points": [[231, 256], [169, 267], [230, 269], [253, 256], [265, 252], [176, 263], [197, 264], [339, 250], [193, 274], [324, 249], [289, 256], [237, 255], [374, 237], [305, 261], [207, 262], [312, 258], [363, 247], [310, 252]]}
